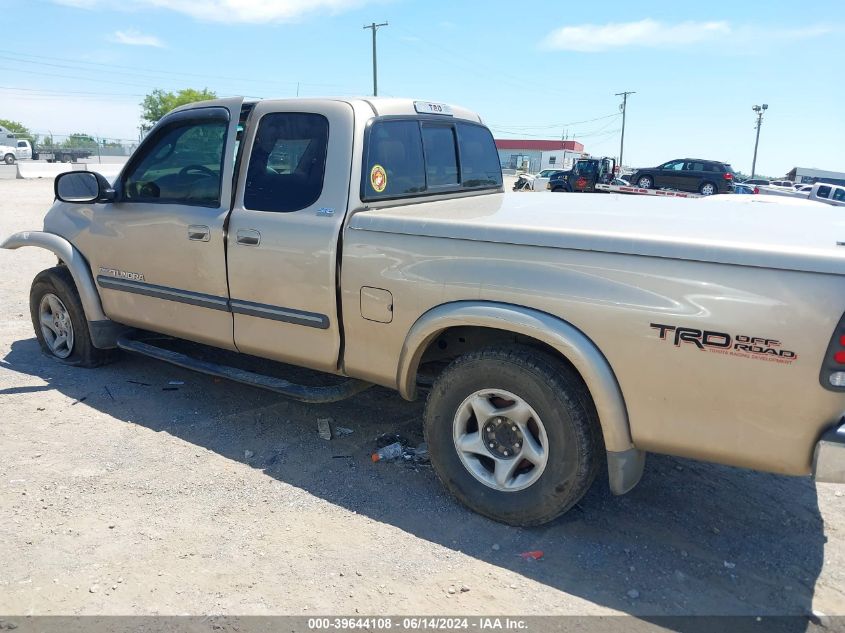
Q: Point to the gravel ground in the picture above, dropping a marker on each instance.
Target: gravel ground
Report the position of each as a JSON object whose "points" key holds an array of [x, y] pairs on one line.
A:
{"points": [[120, 497]]}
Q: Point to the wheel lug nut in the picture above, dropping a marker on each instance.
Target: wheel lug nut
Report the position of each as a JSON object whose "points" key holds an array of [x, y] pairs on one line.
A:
{"points": [[492, 444], [506, 453]]}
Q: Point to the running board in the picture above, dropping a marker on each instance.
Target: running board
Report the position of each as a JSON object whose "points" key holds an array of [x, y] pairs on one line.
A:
{"points": [[302, 393]]}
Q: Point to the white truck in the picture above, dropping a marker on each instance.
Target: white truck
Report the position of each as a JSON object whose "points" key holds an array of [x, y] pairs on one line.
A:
{"points": [[14, 149]]}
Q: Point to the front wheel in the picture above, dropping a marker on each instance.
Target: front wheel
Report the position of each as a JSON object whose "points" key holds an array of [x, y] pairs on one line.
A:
{"points": [[59, 320], [9, 159], [513, 434]]}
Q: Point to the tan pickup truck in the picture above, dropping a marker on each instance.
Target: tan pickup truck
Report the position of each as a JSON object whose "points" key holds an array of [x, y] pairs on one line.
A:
{"points": [[372, 239]]}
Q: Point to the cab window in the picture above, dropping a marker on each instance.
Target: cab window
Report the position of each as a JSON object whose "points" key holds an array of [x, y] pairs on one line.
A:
{"points": [[288, 162], [823, 192], [441, 160], [395, 164], [480, 166], [183, 165]]}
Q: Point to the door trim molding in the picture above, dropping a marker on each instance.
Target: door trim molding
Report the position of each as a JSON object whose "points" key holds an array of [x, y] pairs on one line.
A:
{"points": [[235, 306]]}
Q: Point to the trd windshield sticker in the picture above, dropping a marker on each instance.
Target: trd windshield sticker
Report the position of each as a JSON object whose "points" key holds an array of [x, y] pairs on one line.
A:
{"points": [[378, 178], [738, 345]]}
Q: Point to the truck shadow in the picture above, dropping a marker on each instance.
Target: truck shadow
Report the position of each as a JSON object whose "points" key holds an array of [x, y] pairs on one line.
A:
{"points": [[692, 538]]}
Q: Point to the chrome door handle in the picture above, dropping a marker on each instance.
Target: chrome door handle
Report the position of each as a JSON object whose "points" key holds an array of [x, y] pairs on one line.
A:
{"points": [[199, 233], [249, 237]]}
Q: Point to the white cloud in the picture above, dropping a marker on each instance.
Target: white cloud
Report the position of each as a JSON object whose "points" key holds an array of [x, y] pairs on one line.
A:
{"points": [[135, 38], [648, 33], [591, 38], [230, 11]]}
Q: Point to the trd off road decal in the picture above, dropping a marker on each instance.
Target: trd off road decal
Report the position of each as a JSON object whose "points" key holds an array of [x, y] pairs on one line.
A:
{"points": [[738, 345], [378, 178]]}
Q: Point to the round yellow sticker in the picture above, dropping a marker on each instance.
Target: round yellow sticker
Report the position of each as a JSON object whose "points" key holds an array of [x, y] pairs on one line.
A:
{"points": [[378, 178]]}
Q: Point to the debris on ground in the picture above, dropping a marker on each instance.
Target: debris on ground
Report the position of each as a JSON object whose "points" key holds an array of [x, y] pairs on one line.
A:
{"points": [[138, 382], [342, 431], [392, 447], [248, 454], [388, 453], [324, 428], [532, 555], [633, 594], [176, 382]]}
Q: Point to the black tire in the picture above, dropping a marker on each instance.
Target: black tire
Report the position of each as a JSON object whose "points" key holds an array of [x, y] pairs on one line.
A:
{"points": [[9, 159], [557, 394], [645, 182], [65, 158], [708, 187], [59, 282]]}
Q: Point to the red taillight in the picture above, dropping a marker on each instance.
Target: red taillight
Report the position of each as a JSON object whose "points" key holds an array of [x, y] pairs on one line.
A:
{"points": [[839, 357], [728, 175], [842, 341], [756, 189]]}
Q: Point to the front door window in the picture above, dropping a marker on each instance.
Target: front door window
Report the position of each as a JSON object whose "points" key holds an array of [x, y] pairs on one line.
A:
{"points": [[183, 165]]}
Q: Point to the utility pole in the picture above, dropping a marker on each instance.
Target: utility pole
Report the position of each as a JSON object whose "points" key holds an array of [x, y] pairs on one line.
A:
{"points": [[375, 27], [623, 107], [759, 110]]}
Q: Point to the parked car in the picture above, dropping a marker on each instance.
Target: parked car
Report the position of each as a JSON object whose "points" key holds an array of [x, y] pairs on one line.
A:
{"points": [[696, 175], [764, 182], [782, 183], [557, 336], [745, 188], [17, 149], [826, 192]]}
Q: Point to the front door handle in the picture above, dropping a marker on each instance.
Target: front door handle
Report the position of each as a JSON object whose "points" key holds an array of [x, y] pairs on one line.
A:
{"points": [[249, 237], [199, 233]]}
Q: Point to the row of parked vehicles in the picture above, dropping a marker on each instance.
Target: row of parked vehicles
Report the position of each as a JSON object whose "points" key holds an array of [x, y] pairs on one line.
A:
{"points": [[693, 175]]}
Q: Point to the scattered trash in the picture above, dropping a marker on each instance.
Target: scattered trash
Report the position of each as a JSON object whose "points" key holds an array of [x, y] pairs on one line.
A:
{"points": [[176, 382], [388, 453], [82, 399], [729, 565], [532, 555], [633, 594], [324, 429], [495, 547], [342, 431], [136, 382], [248, 454]]}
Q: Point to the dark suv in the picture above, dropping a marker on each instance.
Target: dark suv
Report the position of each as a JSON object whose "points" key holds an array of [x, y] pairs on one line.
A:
{"points": [[687, 174]]}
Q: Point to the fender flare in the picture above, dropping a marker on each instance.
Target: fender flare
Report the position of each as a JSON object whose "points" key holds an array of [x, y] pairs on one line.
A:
{"points": [[73, 259], [625, 461]]}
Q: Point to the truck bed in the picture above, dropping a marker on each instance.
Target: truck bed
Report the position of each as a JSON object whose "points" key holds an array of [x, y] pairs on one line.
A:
{"points": [[767, 232]]}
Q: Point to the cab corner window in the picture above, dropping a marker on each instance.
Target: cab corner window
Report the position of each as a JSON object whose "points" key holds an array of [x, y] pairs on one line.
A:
{"points": [[183, 165], [288, 162], [441, 159]]}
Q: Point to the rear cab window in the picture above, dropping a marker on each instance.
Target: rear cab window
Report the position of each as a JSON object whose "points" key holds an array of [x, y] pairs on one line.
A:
{"points": [[414, 156]]}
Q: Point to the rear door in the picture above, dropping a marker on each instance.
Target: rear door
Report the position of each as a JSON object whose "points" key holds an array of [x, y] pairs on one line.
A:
{"points": [[158, 251], [283, 231]]}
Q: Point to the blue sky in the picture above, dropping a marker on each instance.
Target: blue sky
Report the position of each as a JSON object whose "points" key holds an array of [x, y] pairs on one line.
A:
{"points": [[534, 70]]}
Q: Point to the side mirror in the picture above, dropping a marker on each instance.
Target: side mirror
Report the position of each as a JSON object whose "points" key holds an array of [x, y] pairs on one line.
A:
{"points": [[83, 187]]}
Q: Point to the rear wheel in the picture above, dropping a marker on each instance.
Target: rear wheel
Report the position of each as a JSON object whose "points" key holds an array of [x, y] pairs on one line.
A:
{"points": [[707, 189], [9, 159], [59, 320], [645, 182], [513, 434]]}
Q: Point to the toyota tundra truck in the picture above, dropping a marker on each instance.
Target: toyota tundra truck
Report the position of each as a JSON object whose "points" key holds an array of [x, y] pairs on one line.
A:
{"points": [[372, 240]]}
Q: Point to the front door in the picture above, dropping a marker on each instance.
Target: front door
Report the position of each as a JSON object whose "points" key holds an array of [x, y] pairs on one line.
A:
{"points": [[158, 252], [283, 232], [670, 175]]}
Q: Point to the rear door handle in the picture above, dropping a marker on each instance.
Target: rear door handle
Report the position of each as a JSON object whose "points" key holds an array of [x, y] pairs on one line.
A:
{"points": [[249, 237], [199, 233]]}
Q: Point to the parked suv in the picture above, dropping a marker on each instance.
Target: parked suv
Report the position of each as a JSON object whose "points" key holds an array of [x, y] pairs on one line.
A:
{"points": [[687, 174]]}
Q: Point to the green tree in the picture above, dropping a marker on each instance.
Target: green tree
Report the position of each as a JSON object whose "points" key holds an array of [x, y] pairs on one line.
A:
{"points": [[80, 140], [158, 103]]}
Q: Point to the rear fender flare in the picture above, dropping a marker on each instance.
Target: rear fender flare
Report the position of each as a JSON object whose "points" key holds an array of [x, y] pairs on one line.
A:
{"points": [[625, 461]]}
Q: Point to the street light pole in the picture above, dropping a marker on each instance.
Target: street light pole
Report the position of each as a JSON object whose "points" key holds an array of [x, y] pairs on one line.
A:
{"points": [[375, 27], [624, 105], [759, 110]]}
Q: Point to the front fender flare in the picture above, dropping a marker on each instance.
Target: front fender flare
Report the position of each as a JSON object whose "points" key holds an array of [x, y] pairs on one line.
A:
{"points": [[625, 461], [72, 258]]}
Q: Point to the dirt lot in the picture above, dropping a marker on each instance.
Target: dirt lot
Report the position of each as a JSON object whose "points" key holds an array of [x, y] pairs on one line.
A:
{"points": [[120, 497]]}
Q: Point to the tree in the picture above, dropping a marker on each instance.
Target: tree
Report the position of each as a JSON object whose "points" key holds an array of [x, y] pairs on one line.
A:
{"points": [[158, 103]]}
